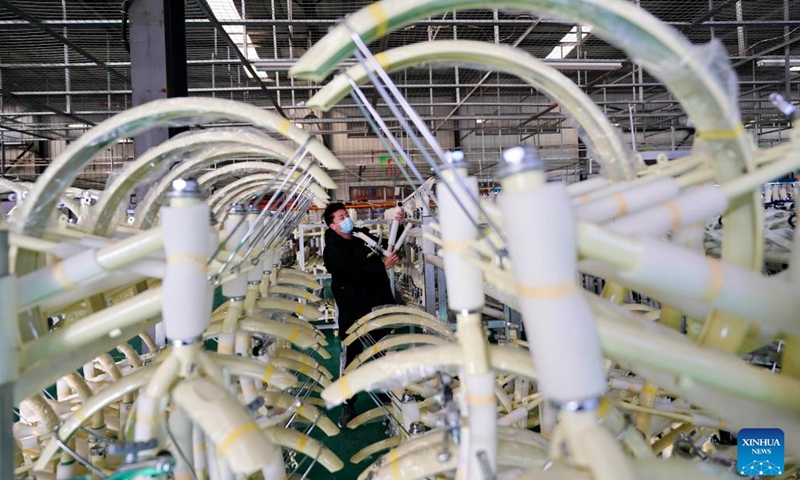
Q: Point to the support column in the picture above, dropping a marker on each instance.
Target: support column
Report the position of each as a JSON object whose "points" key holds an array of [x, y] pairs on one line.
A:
{"points": [[429, 271], [158, 59], [8, 359], [158, 70]]}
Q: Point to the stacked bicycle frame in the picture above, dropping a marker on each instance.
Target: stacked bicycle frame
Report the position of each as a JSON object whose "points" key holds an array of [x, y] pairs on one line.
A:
{"points": [[592, 387], [81, 283]]}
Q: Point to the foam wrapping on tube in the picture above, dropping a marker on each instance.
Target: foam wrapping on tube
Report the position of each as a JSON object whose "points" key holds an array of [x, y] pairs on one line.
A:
{"points": [[692, 206], [730, 288], [66, 275], [601, 192], [464, 280], [410, 413], [558, 322], [186, 244], [237, 438], [516, 415], [631, 200], [238, 286], [213, 244], [256, 272], [586, 186], [482, 417]]}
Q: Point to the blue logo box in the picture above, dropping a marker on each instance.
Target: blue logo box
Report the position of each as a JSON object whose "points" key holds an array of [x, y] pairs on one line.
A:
{"points": [[760, 452]]}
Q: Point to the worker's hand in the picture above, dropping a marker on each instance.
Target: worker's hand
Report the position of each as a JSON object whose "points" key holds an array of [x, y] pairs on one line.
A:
{"points": [[390, 261], [399, 215]]}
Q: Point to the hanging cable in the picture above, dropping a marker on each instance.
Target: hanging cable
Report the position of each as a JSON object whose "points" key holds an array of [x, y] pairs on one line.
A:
{"points": [[126, 6]]}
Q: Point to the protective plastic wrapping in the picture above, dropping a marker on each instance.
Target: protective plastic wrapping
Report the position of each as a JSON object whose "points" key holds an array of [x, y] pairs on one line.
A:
{"points": [[410, 413], [413, 460], [291, 291], [557, 320], [516, 415], [661, 50], [199, 456], [65, 275], [392, 342], [629, 201], [227, 334], [304, 359], [157, 161], [287, 276], [600, 193], [606, 141], [186, 244], [393, 371], [148, 208], [258, 183], [482, 409], [587, 186], [189, 167], [236, 437], [273, 376], [391, 310], [394, 321], [238, 286], [692, 206], [240, 169], [305, 312], [616, 166], [257, 272], [149, 417], [724, 286], [464, 279], [169, 112]]}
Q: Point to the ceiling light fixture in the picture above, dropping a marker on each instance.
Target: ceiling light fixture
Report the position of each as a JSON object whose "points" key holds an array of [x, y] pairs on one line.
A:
{"points": [[569, 42], [778, 62], [226, 11]]}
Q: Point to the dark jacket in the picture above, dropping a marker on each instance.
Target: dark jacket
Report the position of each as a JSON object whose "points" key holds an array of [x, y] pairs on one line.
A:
{"points": [[359, 282]]}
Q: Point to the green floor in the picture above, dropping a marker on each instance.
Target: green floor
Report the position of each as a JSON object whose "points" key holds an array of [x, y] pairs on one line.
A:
{"points": [[348, 442]]}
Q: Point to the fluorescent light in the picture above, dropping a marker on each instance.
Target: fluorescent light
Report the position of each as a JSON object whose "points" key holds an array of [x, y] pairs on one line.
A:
{"points": [[778, 62], [225, 11], [479, 120], [794, 69], [568, 42], [559, 64]]}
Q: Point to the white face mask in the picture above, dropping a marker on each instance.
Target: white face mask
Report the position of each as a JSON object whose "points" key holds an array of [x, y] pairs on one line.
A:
{"points": [[346, 225]]}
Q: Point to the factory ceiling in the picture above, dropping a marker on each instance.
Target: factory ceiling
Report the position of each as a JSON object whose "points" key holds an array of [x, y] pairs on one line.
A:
{"points": [[64, 63]]}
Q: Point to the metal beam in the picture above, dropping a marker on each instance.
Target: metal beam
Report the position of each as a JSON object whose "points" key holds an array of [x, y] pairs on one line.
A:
{"points": [[33, 103], [26, 132], [49, 30], [284, 64], [486, 75], [242, 57], [266, 22], [710, 14]]}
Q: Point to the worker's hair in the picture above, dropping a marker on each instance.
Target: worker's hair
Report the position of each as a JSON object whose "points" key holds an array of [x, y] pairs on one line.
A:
{"points": [[330, 210]]}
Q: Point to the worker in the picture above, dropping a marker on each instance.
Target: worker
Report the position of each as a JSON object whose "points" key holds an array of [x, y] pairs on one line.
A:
{"points": [[358, 280]]}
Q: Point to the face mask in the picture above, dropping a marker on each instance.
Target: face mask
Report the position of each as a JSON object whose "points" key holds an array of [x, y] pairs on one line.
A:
{"points": [[347, 225]]}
